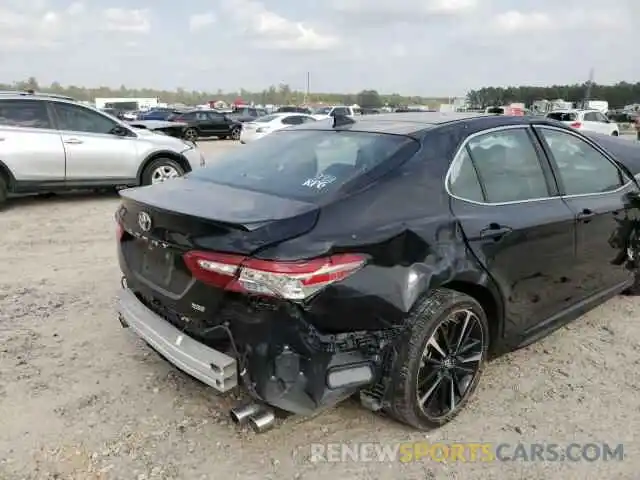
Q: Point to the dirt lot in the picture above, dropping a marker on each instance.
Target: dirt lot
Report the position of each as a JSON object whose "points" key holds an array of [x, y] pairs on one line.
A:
{"points": [[82, 398]]}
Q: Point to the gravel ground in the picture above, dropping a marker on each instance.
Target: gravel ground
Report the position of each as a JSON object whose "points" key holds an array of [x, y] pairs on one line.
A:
{"points": [[80, 397]]}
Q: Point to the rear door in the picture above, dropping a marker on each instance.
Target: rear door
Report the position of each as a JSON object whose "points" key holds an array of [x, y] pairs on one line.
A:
{"points": [[206, 124], [597, 192], [592, 123], [218, 123], [503, 193], [30, 146], [93, 152]]}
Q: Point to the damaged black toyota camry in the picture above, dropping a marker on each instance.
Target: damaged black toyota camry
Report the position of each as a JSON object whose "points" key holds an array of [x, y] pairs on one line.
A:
{"points": [[385, 258]]}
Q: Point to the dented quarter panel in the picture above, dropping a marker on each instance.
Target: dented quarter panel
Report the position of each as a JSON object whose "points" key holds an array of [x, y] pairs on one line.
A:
{"points": [[403, 222]]}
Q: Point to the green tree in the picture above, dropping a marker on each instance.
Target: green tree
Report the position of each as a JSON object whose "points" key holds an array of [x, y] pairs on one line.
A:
{"points": [[369, 99]]}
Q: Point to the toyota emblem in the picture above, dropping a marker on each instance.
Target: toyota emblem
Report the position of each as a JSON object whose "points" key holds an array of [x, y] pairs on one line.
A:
{"points": [[144, 220]]}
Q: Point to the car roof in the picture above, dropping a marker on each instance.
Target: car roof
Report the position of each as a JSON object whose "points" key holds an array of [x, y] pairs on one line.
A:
{"points": [[19, 95], [407, 123], [575, 110]]}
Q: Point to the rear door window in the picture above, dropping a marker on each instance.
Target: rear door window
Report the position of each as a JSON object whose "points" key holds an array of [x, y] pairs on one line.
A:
{"points": [[506, 165], [24, 113], [292, 120], [562, 116], [305, 165]]}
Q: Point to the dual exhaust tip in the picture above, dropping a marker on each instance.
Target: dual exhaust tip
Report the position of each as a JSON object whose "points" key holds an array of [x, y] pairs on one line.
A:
{"points": [[259, 418]]}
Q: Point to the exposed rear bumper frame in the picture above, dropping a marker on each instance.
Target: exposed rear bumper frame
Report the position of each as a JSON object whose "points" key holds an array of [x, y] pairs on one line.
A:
{"points": [[214, 368]]}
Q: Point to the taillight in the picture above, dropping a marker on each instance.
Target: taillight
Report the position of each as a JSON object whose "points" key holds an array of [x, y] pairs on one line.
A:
{"points": [[576, 125], [292, 280], [119, 231]]}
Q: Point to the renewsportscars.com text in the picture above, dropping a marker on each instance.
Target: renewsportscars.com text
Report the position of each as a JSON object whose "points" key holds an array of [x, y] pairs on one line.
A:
{"points": [[466, 452]]}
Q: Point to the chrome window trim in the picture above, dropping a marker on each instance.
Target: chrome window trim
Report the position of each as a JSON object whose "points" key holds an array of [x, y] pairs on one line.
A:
{"points": [[457, 159]]}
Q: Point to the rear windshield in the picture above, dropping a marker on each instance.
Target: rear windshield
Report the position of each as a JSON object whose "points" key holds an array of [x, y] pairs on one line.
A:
{"points": [[305, 164], [562, 116]]}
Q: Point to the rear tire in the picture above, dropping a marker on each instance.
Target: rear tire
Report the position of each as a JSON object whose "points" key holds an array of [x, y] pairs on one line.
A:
{"points": [[615, 133], [161, 169], [4, 191], [235, 133], [442, 357]]}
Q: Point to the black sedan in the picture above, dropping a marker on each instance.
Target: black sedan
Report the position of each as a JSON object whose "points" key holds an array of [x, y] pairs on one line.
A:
{"points": [[388, 256], [208, 123]]}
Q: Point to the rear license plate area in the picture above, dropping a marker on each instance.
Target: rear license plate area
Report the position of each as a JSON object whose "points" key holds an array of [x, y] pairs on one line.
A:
{"points": [[158, 264]]}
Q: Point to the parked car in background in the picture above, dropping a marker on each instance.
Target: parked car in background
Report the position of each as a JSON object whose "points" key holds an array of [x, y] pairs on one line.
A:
{"points": [[130, 115], [173, 129], [587, 120], [208, 123], [386, 257], [50, 144], [263, 126], [247, 114], [293, 109], [159, 114], [113, 112], [322, 113]]}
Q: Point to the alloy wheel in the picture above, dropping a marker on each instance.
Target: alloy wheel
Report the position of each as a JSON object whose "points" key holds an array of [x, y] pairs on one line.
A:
{"points": [[163, 173], [450, 362], [190, 134], [235, 134]]}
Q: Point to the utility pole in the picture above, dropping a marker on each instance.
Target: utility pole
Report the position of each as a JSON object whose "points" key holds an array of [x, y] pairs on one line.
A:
{"points": [[587, 95], [306, 94]]}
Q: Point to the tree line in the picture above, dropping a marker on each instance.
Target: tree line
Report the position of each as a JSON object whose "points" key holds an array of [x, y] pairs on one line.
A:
{"points": [[281, 94], [618, 95]]}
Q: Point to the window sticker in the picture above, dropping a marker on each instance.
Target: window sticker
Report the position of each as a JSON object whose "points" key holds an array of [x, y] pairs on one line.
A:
{"points": [[320, 181]]}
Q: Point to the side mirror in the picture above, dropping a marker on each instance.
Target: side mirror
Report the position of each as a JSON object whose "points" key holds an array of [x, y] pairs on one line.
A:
{"points": [[120, 131]]}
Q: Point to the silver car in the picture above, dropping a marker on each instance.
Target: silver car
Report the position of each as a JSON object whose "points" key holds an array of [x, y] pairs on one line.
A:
{"points": [[50, 143]]}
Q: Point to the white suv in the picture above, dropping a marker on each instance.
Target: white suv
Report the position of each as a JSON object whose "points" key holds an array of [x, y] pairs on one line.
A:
{"points": [[50, 143], [586, 120]]}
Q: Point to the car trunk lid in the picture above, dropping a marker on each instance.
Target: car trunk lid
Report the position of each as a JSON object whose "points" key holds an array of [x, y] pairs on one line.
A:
{"points": [[161, 223]]}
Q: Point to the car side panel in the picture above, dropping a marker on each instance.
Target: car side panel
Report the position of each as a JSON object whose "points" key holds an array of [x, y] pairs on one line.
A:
{"points": [[32, 154]]}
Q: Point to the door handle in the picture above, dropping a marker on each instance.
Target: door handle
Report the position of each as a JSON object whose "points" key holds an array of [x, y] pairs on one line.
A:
{"points": [[73, 141], [585, 215], [495, 231]]}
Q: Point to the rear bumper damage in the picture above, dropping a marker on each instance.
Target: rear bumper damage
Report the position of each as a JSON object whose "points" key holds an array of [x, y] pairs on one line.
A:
{"points": [[210, 366], [284, 363]]}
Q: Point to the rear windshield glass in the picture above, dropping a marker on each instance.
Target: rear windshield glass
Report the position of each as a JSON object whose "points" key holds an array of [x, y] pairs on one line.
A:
{"points": [[305, 164], [562, 116]]}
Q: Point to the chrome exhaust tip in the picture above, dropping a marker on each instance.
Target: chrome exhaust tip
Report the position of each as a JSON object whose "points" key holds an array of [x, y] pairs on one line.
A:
{"points": [[243, 413], [262, 421]]}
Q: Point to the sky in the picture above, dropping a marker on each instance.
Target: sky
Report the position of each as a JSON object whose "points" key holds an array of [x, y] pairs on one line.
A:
{"points": [[411, 47]]}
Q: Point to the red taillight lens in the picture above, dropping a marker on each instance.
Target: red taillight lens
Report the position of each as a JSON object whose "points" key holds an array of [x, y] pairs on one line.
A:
{"points": [[119, 231], [296, 280], [576, 125]]}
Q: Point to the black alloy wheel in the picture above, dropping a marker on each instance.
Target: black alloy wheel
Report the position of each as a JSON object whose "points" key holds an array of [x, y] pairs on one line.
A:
{"points": [[450, 362], [190, 134], [440, 362]]}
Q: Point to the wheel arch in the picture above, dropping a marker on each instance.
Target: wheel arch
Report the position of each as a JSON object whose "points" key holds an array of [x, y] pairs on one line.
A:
{"points": [[8, 176], [180, 159], [489, 298]]}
